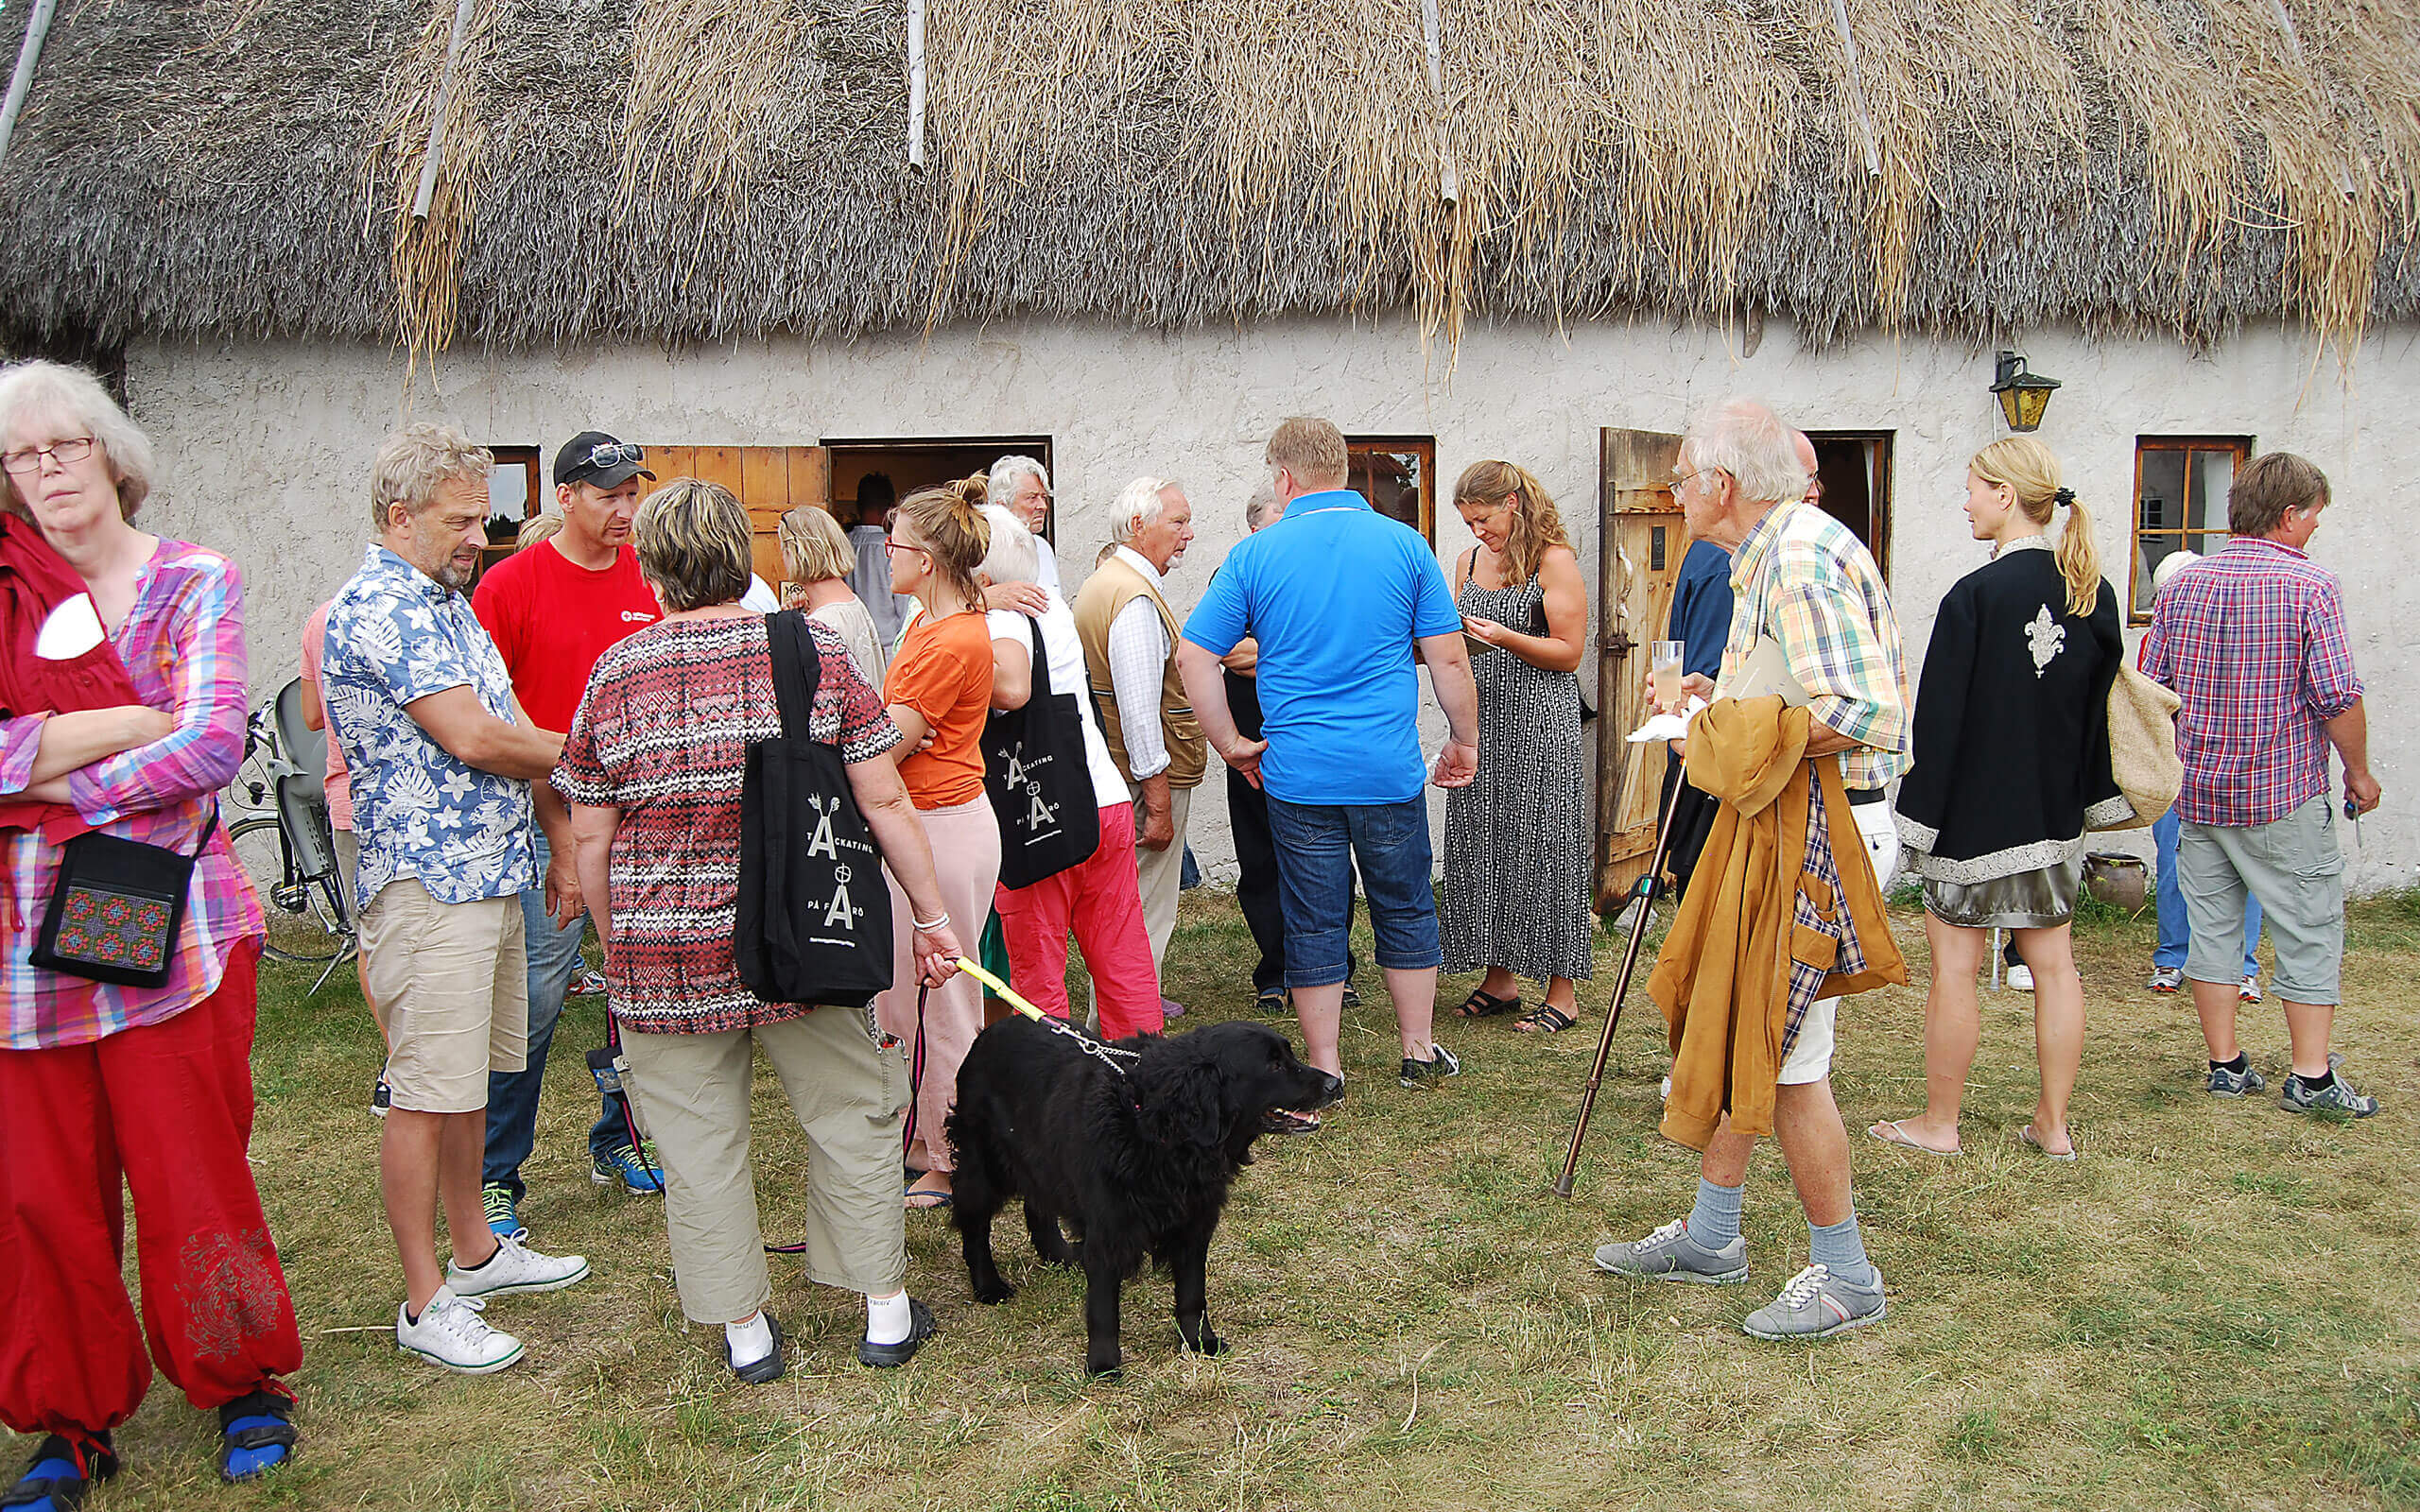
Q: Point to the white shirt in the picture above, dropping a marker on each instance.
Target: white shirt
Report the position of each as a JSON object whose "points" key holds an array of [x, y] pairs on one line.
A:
{"points": [[1065, 649], [760, 596], [1046, 571], [1138, 658], [856, 625]]}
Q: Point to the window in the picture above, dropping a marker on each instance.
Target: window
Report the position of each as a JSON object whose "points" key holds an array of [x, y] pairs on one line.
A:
{"points": [[2180, 503], [1398, 475], [1853, 486], [514, 494]]}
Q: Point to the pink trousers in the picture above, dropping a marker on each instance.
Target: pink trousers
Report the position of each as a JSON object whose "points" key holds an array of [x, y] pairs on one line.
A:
{"points": [[966, 855]]}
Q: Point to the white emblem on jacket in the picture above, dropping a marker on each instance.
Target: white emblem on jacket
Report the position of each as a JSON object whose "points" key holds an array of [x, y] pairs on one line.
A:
{"points": [[2046, 638]]}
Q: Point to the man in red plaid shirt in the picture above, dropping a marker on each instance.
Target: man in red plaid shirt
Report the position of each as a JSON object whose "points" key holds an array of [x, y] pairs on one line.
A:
{"points": [[2254, 641]]}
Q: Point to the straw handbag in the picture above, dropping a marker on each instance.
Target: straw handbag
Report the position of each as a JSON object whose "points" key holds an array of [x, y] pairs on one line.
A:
{"points": [[2142, 746]]}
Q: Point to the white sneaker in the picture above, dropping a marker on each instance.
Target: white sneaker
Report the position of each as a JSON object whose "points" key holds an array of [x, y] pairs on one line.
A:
{"points": [[2020, 978], [451, 1333], [2250, 991], [515, 1267]]}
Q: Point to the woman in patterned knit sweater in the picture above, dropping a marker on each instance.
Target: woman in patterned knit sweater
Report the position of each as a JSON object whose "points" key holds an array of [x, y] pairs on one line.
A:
{"points": [[1516, 840], [653, 769]]}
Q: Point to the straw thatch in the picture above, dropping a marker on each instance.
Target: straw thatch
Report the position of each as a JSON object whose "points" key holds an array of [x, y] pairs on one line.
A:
{"points": [[684, 169]]}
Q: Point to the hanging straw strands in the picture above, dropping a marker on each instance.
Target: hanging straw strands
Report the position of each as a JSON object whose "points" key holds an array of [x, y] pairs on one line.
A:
{"points": [[685, 169]]}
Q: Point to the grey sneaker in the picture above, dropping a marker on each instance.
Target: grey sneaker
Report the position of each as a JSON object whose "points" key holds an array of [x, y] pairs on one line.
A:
{"points": [[1442, 1064], [1816, 1304], [2336, 1098], [2225, 1083], [1669, 1254], [2168, 979]]}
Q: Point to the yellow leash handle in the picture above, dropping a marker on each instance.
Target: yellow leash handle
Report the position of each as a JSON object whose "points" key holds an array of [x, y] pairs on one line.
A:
{"points": [[1000, 988]]}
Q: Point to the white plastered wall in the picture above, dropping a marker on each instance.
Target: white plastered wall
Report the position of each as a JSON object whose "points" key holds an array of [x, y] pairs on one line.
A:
{"points": [[265, 448]]}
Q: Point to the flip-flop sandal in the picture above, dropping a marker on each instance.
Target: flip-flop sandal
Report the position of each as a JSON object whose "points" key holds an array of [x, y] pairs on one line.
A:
{"points": [[1479, 1005], [257, 1434], [1896, 1135], [2025, 1137], [1287, 1121], [931, 1200], [1546, 1020], [62, 1473]]}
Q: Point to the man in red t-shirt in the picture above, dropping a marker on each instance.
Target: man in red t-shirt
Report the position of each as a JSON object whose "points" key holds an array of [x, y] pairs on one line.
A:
{"points": [[552, 611]]}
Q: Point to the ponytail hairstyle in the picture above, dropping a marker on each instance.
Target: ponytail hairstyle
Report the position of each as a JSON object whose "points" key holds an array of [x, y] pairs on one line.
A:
{"points": [[1537, 525], [948, 517], [2030, 471]]}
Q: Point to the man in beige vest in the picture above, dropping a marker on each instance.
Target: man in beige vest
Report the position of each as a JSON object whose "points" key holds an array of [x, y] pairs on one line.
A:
{"points": [[1130, 640]]}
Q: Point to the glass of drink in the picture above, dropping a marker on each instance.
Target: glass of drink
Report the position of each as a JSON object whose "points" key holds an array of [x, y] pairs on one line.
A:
{"points": [[1663, 669]]}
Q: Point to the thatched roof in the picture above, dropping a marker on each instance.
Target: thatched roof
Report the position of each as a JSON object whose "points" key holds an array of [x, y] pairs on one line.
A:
{"points": [[682, 170]]}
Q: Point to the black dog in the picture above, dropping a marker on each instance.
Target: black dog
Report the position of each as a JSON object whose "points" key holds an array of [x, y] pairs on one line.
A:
{"points": [[1136, 1157]]}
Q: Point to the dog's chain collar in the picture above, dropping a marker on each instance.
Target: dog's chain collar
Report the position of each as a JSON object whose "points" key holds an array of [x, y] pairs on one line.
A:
{"points": [[1108, 1055]]}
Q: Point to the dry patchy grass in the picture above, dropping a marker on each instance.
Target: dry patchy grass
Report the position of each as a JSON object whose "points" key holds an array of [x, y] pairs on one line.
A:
{"points": [[2214, 1307]]}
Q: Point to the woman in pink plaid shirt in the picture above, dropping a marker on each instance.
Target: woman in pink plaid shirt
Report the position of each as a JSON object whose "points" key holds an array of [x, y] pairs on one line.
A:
{"points": [[102, 1083]]}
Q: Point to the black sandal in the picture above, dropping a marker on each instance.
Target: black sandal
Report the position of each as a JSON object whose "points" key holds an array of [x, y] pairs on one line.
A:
{"points": [[255, 1421], [1479, 1005], [1547, 1019], [64, 1471]]}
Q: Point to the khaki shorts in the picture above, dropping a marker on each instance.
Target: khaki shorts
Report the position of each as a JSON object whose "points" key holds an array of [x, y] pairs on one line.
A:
{"points": [[2295, 867], [454, 979]]}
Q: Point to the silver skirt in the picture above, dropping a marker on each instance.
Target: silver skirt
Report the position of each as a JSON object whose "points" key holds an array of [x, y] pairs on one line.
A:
{"points": [[2044, 898]]}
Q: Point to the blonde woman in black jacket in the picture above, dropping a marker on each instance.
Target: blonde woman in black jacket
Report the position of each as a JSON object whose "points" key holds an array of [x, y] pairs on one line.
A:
{"points": [[2011, 767]]}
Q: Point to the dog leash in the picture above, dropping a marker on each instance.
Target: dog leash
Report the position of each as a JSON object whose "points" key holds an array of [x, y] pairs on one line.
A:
{"points": [[1100, 1050]]}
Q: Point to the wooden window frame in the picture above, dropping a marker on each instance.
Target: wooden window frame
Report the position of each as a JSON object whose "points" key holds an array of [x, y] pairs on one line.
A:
{"points": [[2242, 448], [1425, 447], [533, 463], [1879, 497]]}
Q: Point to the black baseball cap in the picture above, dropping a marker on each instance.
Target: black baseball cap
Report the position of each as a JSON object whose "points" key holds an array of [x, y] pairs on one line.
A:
{"points": [[599, 460]]}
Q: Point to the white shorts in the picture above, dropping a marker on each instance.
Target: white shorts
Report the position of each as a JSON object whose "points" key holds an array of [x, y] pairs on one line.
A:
{"points": [[1811, 1058]]}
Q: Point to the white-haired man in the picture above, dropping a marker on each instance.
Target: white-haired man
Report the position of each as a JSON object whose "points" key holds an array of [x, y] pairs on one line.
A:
{"points": [[1020, 486], [441, 755], [1800, 578], [1130, 640]]}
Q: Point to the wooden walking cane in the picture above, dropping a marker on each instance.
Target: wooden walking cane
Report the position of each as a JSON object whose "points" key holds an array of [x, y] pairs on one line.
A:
{"points": [[1643, 894]]}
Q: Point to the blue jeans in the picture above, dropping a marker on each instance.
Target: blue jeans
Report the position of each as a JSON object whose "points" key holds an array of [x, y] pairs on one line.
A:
{"points": [[512, 1095], [2174, 934], [1316, 847]]}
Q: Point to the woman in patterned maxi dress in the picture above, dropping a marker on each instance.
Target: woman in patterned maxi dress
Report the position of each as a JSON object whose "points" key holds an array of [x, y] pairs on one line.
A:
{"points": [[1516, 840]]}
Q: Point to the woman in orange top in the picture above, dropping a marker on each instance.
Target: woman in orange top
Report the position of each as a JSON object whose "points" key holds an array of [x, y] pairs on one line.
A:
{"points": [[940, 686]]}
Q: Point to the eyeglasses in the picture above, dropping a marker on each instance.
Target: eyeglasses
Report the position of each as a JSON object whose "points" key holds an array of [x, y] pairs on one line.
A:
{"points": [[900, 545], [26, 460], [611, 453]]}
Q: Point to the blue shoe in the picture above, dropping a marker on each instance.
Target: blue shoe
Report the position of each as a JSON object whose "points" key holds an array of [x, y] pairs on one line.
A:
{"points": [[503, 1214], [63, 1472], [257, 1434], [637, 1173]]}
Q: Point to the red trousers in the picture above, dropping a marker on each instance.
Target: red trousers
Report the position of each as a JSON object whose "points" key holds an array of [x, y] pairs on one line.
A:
{"points": [[1101, 902], [167, 1111]]}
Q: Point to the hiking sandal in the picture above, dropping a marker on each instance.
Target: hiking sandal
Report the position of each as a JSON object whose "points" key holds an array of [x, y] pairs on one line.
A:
{"points": [[251, 1426], [63, 1472]]}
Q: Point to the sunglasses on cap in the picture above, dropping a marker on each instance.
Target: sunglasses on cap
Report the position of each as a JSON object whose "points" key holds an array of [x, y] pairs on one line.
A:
{"points": [[609, 455]]}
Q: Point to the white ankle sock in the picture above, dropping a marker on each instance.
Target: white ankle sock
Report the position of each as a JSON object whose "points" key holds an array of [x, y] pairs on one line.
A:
{"points": [[887, 1319], [750, 1341]]}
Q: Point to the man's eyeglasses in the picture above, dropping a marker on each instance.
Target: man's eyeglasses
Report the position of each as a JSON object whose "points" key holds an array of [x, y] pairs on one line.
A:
{"points": [[1681, 480], [26, 460], [607, 454]]}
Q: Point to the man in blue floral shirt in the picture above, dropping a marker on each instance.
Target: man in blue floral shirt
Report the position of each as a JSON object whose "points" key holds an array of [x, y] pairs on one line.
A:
{"points": [[442, 758]]}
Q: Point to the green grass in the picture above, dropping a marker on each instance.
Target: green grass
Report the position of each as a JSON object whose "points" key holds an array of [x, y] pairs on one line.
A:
{"points": [[2214, 1309]]}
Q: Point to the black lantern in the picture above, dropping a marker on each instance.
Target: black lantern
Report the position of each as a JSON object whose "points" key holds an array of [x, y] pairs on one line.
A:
{"points": [[2023, 395]]}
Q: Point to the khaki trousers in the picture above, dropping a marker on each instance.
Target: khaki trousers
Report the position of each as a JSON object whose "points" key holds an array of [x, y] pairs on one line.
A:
{"points": [[849, 1095], [1158, 872]]}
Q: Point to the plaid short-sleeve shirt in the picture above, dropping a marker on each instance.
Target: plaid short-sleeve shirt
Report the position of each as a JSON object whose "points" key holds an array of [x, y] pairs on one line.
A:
{"points": [[1802, 578]]}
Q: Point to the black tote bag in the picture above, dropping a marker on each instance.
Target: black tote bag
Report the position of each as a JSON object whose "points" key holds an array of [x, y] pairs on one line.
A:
{"points": [[814, 917], [1040, 784]]}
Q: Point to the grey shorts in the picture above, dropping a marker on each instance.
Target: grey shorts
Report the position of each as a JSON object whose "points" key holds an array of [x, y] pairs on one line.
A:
{"points": [[2296, 868]]}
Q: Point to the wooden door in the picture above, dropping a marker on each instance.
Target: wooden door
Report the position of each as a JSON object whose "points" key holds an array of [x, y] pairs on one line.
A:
{"points": [[770, 482], [1640, 541]]}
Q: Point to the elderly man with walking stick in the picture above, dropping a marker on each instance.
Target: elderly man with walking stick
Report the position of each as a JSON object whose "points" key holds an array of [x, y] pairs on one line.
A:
{"points": [[1809, 609]]}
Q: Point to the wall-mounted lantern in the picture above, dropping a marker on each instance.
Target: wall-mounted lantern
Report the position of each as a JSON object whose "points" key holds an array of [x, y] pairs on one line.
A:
{"points": [[2023, 395]]}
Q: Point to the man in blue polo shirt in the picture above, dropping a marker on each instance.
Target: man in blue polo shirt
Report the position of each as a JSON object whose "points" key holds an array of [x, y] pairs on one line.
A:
{"points": [[1343, 601]]}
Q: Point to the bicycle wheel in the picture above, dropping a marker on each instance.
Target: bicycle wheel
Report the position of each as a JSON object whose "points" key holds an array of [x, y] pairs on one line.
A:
{"points": [[303, 924]]}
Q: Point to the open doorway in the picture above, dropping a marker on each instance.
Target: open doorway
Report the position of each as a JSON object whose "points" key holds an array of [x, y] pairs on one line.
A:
{"points": [[1854, 469], [909, 464]]}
